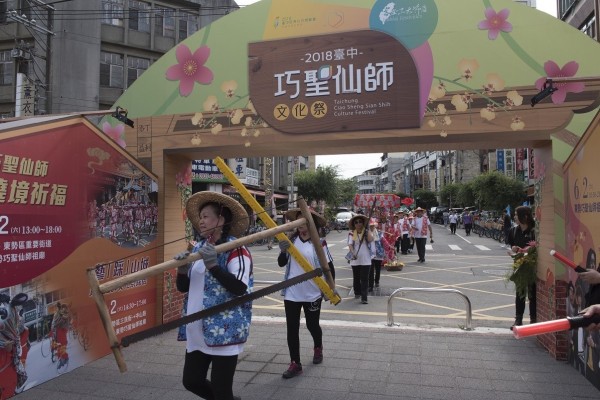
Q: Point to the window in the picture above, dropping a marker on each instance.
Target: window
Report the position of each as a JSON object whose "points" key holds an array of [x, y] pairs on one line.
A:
{"points": [[188, 25], [111, 69], [589, 27], [135, 67], [7, 68], [139, 16], [112, 12], [164, 22], [564, 6]]}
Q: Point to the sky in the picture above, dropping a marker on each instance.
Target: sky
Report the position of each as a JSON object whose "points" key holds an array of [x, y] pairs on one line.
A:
{"points": [[350, 165]]}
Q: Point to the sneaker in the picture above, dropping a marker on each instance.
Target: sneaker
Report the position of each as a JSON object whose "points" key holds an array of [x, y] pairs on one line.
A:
{"points": [[364, 302], [377, 285], [357, 296], [293, 370], [318, 355]]}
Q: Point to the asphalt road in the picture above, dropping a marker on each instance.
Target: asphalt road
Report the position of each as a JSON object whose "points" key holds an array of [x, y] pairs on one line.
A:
{"points": [[472, 265]]}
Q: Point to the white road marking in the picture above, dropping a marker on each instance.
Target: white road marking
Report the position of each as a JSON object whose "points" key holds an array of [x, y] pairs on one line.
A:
{"points": [[481, 247], [454, 247]]}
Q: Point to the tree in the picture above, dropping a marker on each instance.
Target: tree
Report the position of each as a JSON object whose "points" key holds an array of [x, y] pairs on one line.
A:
{"points": [[347, 188], [495, 191], [449, 195], [467, 195], [319, 185], [425, 198]]}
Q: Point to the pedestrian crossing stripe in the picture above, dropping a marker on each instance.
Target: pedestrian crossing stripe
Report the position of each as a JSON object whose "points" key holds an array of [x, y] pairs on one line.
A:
{"points": [[455, 247]]}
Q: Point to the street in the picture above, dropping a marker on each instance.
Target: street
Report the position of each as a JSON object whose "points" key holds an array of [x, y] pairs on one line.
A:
{"points": [[472, 265]]}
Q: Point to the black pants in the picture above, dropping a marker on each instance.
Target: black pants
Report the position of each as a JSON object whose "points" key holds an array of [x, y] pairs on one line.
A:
{"points": [[468, 229], [220, 385], [374, 273], [520, 304], [360, 280], [312, 313], [421, 242], [453, 229], [398, 243], [404, 243]]}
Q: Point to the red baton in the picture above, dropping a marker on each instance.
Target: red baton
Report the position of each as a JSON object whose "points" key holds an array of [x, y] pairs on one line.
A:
{"points": [[566, 261], [564, 324]]}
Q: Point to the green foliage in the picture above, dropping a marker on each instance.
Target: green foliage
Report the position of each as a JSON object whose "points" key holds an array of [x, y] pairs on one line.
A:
{"points": [[449, 195], [321, 184], [347, 188], [523, 272], [467, 195], [402, 195], [425, 198], [494, 191]]}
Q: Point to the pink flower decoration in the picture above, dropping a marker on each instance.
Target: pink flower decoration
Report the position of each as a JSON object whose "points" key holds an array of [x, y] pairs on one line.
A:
{"points": [[495, 22], [190, 69], [554, 71], [116, 133]]}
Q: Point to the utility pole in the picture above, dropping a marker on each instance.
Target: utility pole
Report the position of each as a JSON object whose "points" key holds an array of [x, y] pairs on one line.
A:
{"points": [[35, 26]]}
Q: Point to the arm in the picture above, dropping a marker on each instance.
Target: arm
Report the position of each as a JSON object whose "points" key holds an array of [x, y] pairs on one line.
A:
{"points": [[237, 274], [182, 283]]}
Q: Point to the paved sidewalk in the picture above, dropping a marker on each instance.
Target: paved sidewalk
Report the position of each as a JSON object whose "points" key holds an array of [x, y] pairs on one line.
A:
{"points": [[362, 361]]}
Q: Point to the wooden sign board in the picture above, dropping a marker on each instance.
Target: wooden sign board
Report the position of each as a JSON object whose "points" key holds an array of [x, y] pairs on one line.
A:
{"points": [[329, 83]]}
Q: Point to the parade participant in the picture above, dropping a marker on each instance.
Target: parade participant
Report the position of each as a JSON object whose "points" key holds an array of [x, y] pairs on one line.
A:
{"points": [[359, 239], [61, 321], [212, 280], [303, 296], [378, 253], [404, 225], [421, 226], [518, 239]]}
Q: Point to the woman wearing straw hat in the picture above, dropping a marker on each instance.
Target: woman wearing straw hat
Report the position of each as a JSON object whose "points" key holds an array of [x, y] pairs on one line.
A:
{"points": [[359, 244], [303, 296], [212, 280]]}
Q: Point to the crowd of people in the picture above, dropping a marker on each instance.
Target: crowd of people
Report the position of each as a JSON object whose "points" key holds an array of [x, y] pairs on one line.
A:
{"points": [[122, 220], [215, 343]]}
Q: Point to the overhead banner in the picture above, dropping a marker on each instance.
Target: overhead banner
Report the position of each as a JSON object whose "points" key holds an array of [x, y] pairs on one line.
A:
{"points": [[70, 200], [388, 201], [337, 82]]}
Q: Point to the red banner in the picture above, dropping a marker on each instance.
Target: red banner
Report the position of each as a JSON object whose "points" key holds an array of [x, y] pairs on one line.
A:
{"points": [[388, 201]]}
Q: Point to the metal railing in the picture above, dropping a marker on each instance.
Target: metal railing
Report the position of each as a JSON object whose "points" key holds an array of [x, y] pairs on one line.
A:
{"points": [[390, 314]]}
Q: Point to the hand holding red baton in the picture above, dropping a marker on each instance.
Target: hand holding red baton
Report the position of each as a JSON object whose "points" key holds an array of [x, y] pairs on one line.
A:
{"points": [[566, 261], [563, 324]]}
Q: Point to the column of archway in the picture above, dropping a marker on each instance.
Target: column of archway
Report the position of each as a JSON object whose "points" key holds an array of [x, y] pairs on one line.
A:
{"points": [[171, 228]]}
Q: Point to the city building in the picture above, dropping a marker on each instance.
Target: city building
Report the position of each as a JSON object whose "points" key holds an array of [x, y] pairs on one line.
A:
{"points": [[581, 14]]}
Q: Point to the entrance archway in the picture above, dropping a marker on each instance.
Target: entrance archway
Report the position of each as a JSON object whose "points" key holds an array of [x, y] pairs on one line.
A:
{"points": [[478, 64]]}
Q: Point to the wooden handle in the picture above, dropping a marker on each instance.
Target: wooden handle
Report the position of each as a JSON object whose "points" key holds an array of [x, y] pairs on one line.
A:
{"points": [[316, 241], [167, 265], [105, 318]]}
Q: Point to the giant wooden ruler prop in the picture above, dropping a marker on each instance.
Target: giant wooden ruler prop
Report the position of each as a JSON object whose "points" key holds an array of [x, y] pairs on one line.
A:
{"points": [[328, 288]]}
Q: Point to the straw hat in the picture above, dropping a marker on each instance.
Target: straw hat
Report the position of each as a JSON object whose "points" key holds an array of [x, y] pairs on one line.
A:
{"points": [[373, 221], [358, 216], [295, 213], [239, 216], [419, 209]]}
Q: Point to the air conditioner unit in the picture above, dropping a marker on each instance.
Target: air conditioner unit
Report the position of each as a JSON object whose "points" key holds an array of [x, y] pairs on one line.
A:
{"points": [[16, 53]]}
